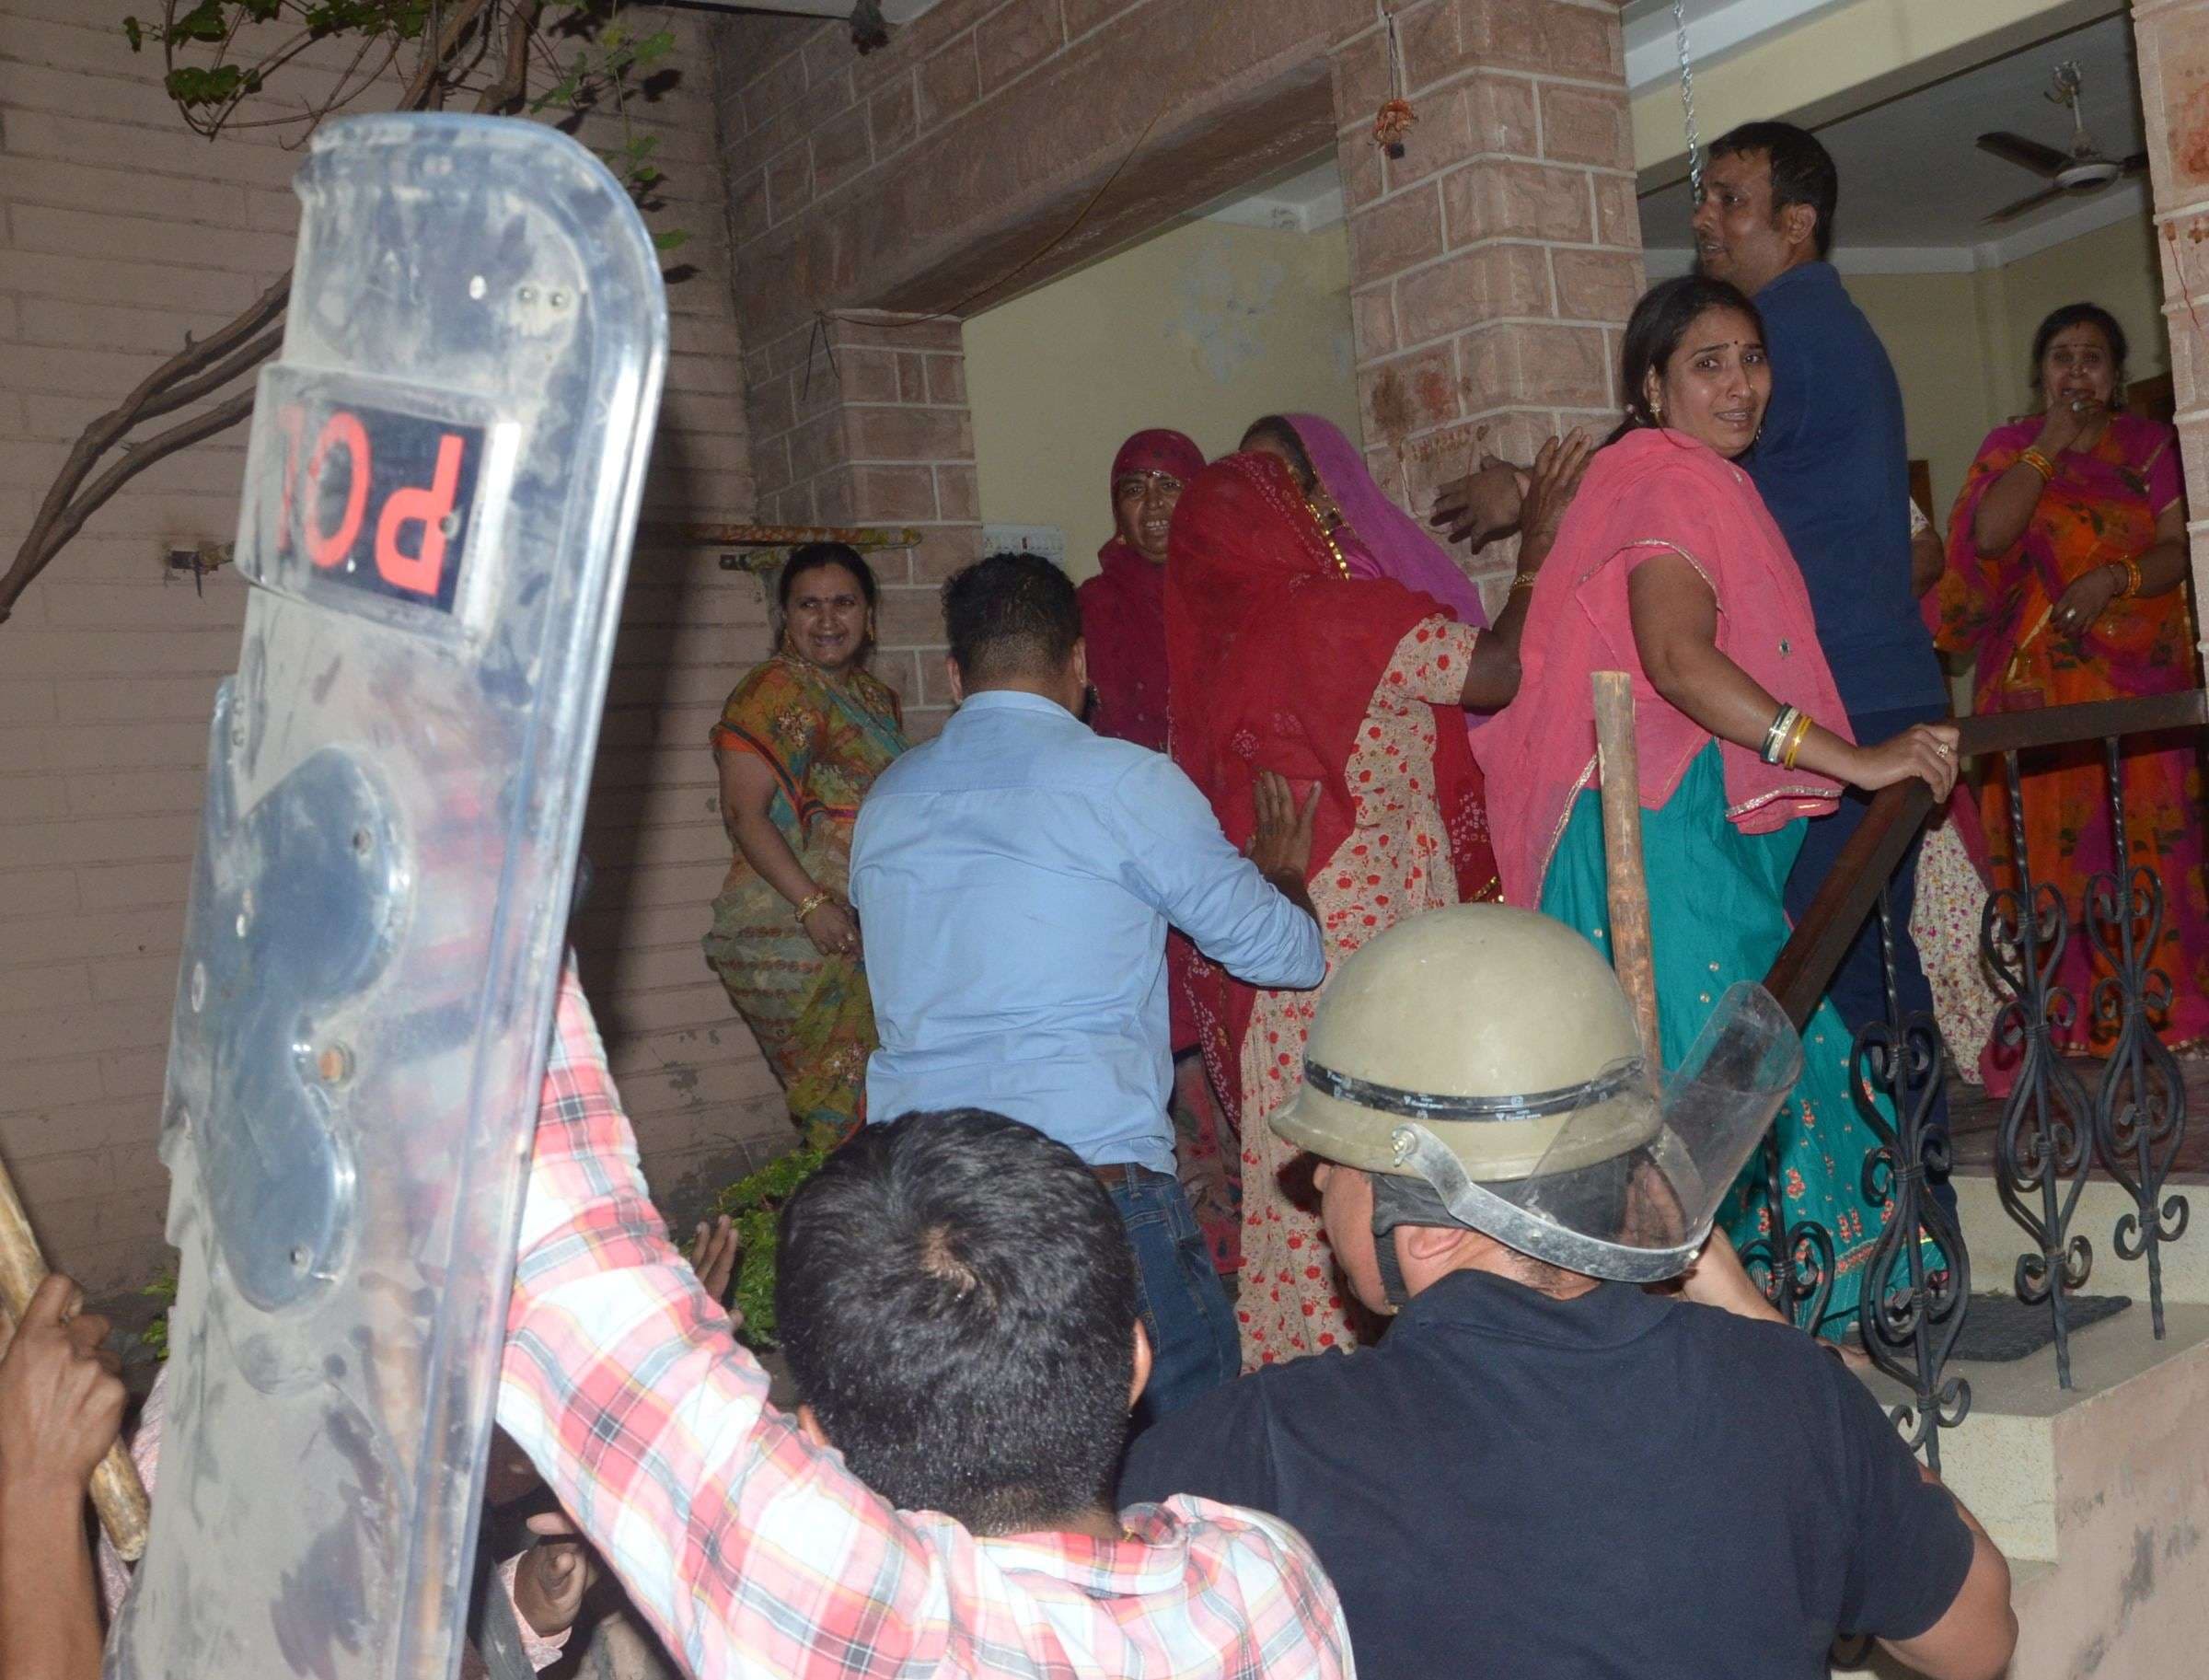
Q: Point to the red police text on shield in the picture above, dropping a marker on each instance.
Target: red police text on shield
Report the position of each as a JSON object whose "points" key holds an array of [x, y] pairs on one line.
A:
{"points": [[379, 501]]}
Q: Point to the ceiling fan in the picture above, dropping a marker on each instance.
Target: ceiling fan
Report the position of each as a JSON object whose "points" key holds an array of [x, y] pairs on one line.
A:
{"points": [[2076, 173]]}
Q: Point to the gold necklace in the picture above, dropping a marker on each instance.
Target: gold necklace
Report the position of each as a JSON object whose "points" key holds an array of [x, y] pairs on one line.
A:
{"points": [[1326, 532]]}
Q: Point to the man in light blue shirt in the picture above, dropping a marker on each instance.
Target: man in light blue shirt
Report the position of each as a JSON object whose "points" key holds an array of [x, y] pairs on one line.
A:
{"points": [[1014, 879]]}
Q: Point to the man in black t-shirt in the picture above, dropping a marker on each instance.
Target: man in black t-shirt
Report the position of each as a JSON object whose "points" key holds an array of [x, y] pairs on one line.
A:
{"points": [[1544, 1470]]}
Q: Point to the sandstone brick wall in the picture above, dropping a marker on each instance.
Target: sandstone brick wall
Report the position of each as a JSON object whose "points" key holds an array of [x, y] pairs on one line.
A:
{"points": [[2173, 37], [1492, 267], [993, 144], [119, 232]]}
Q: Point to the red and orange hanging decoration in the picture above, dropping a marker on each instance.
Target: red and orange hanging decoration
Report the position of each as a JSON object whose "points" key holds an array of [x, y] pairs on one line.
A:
{"points": [[1395, 117]]}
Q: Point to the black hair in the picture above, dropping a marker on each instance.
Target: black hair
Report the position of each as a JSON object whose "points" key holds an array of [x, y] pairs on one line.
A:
{"points": [[2083, 315], [818, 556], [1011, 615], [1802, 169], [957, 1302], [1276, 429], [1655, 328]]}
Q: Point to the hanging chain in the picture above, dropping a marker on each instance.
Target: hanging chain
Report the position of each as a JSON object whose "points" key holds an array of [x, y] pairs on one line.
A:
{"points": [[1687, 103], [1395, 49]]}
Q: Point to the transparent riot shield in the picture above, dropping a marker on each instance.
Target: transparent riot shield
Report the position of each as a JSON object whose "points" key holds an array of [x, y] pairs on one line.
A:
{"points": [[441, 489]]}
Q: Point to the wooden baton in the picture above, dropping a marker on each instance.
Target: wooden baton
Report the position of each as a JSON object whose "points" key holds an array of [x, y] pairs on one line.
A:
{"points": [[1629, 888], [117, 1493]]}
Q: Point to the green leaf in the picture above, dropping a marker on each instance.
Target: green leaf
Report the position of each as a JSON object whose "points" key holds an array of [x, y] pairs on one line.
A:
{"points": [[753, 1204], [673, 238], [189, 85], [203, 22], [134, 33]]}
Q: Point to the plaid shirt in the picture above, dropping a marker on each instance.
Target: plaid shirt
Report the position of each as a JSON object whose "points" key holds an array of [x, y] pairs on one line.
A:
{"points": [[753, 1552]]}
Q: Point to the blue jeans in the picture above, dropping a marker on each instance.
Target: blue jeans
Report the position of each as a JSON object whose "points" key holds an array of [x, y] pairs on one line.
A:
{"points": [[1195, 1346], [1859, 985]]}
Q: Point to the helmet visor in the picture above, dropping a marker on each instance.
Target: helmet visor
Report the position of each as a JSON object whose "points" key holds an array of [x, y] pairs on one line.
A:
{"points": [[1627, 1190]]}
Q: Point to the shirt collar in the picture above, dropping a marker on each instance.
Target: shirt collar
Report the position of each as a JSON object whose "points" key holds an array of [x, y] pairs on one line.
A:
{"points": [[1609, 1316], [1009, 699]]}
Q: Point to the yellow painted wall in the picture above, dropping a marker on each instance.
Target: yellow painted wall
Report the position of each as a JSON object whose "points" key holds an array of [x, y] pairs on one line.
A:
{"points": [[1928, 323], [1203, 328], [2115, 268]]}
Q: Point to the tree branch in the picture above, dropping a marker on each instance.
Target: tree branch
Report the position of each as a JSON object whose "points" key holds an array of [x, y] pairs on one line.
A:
{"points": [[434, 61], [184, 377], [207, 383], [514, 81], [31, 559]]}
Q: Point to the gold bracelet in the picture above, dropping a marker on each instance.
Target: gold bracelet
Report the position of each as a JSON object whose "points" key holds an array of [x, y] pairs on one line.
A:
{"points": [[2040, 464], [1795, 736], [1524, 580], [2132, 576], [808, 905]]}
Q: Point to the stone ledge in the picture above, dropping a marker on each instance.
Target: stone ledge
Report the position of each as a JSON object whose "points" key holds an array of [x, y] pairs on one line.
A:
{"points": [[2034, 1460], [1994, 1240]]}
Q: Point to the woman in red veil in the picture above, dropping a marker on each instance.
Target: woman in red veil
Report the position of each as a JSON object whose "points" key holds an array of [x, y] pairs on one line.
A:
{"points": [[1279, 660]]}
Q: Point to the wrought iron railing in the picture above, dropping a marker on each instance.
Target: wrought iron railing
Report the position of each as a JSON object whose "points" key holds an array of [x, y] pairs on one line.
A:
{"points": [[1918, 1286]]}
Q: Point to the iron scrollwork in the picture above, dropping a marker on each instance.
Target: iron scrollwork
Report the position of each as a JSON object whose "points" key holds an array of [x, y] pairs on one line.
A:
{"points": [[1913, 1302], [2140, 1108], [2045, 1132], [1801, 1283]]}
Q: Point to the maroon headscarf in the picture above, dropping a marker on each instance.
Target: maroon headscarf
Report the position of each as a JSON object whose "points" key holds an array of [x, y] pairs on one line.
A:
{"points": [[1123, 609]]}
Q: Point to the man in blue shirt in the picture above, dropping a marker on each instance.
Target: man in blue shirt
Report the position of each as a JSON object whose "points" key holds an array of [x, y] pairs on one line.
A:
{"points": [[1834, 469], [1014, 880]]}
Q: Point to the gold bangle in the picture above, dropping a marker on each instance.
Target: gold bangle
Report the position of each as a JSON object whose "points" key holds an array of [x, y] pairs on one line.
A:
{"points": [[2132, 576], [1795, 736], [807, 907], [1524, 580], [2040, 464]]}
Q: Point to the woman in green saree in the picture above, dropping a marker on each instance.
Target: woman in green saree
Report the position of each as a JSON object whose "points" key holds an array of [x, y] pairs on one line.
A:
{"points": [[798, 745]]}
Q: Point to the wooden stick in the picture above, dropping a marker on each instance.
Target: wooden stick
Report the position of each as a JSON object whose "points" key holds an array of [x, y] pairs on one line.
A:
{"points": [[117, 1493], [1629, 888]]}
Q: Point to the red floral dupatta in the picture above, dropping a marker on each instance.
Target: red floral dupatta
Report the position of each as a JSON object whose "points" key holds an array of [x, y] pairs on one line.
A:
{"points": [[1272, 656]]}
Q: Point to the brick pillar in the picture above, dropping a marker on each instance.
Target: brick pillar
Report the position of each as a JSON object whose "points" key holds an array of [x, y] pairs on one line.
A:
{"points": [[1493, 265], [2173, 37], [863, 421]]}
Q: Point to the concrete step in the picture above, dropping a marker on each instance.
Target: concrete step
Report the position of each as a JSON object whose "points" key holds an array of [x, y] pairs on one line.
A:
{"points": [[1994, 1240], [2099, 1495]]}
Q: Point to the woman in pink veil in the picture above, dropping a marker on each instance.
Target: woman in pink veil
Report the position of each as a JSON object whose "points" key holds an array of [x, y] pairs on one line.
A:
{"points": [[1377, 538]]}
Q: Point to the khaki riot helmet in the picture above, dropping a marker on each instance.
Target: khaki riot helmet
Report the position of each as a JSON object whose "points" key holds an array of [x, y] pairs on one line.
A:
{"points": [[1483, 1063]]}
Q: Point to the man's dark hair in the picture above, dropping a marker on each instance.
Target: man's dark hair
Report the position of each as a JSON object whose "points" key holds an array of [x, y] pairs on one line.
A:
{"points": [[1802, 169], [819, 556], [1011, 615], [957, 1302]]}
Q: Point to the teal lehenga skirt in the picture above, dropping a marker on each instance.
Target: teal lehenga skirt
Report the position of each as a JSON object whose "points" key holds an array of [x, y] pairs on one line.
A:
{"points": [[1716, 917]]}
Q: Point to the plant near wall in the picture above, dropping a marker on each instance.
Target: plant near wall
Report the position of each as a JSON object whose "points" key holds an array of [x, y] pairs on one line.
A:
{"points": [[754, 1204], [223, 63]]}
